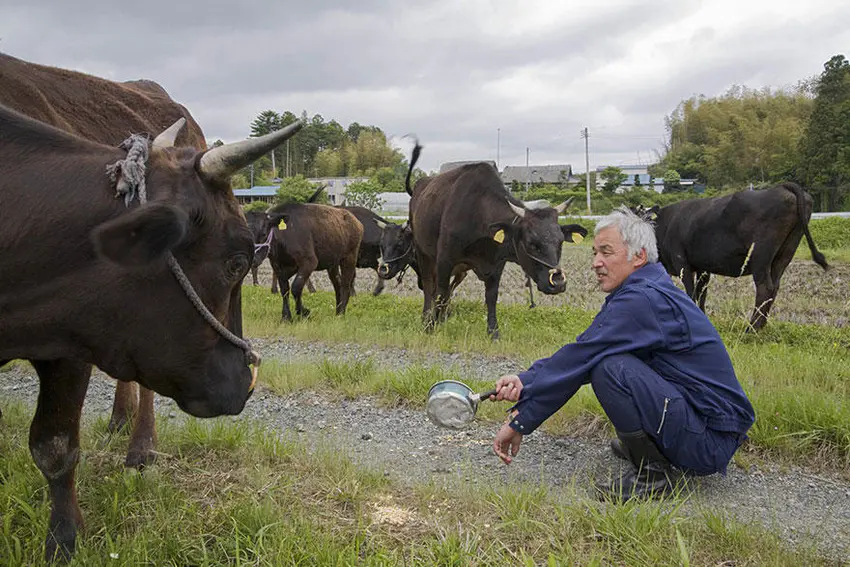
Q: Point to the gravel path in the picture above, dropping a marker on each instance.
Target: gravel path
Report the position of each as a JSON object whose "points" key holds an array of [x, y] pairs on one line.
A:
{"points": [[402, 443]]}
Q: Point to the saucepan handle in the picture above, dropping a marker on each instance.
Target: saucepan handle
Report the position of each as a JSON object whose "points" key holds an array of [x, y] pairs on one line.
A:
{"points": [[486, 395]]}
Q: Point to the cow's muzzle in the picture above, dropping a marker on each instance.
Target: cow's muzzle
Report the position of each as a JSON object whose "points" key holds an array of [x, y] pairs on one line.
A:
{"points": [[557, 277]]}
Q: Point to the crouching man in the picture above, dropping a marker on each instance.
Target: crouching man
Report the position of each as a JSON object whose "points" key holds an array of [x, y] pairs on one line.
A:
{"points": [[656, 364]]}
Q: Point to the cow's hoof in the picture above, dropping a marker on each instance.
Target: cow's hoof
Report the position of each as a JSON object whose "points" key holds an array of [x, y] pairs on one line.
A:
{"points": [[494, 335], [139, 459], [304, 313]]}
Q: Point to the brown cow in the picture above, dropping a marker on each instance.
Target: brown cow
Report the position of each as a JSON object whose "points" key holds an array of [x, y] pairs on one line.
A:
{"points": [[309, 237], [147, 289], [106, 112]]}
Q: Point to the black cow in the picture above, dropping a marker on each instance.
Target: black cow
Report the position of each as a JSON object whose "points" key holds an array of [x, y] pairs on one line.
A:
{"points": [[751, 232], [370, 246], [262, 243], [307, 237], [466, 217], [119, 284]]}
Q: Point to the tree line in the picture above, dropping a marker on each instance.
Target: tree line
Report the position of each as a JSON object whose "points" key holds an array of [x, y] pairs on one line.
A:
{"points": [[762, 137], [325, 149]]}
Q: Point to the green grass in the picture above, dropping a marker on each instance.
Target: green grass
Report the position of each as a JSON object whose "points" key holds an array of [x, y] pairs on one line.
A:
{"points": [[797, 376], [226, 493]]}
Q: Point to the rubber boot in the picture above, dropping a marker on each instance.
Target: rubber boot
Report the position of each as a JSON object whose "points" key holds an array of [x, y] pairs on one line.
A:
{"points": [[653, 474], [618, 450]]}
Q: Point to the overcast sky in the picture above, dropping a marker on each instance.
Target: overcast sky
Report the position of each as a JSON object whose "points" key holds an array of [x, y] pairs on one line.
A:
{"points": [[460, 74]]}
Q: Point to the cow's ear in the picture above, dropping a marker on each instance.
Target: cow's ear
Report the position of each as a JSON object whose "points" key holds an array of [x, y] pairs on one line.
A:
{"points": [[279, 220], [142, 236], [574, 233], [501, 231]]}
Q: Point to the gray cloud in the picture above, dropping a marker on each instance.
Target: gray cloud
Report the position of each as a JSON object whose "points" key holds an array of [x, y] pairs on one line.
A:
{"points": [[453, 72]]}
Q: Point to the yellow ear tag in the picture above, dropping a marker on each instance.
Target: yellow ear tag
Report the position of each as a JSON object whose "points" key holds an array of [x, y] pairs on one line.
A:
{"points": [[577, 238], [281, 225], [499, 236]]}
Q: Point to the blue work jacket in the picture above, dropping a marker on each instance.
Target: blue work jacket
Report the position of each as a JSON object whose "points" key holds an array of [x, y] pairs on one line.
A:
{"points": [[652, 319]]}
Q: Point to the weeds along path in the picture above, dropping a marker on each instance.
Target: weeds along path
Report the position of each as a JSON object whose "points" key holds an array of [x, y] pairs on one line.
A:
{"points": [[805, 508]]}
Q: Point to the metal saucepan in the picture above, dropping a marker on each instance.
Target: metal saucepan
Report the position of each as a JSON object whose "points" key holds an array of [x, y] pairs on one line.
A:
{"points": [[453, 404]]}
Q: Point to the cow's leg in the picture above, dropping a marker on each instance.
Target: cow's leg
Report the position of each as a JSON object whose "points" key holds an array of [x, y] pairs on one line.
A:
{"points": [[530, 286], [254, 270], [701, 288], [124, 406], [310, 287], [55, 446], [298, 287], [766, 290], [2, 364], [283, 280], [379, 287], [457, 279], [427, 278], [443, 290], [336, 282], [143, 439], [491, 296], [348, 271], [274, 281], [687, 275]]}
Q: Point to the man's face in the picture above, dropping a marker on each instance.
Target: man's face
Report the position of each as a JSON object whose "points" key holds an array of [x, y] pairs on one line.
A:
{"points": [[611, 261]]}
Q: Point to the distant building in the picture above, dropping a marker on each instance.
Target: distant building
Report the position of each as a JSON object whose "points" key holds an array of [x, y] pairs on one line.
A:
{"points": [[336, 186], [537, 174], [264, 193], [450, 165]]}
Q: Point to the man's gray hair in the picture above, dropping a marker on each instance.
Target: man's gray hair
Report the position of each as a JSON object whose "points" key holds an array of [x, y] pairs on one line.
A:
{"points": [[637, 233]]}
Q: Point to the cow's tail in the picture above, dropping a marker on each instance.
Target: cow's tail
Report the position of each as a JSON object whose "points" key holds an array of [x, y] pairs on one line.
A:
{"points": [[315, 195], [414, 157], [803, 214]]}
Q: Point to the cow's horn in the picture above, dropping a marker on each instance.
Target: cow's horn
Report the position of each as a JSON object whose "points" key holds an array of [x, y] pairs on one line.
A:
{"points": [[226, 160], [381, 224], [405, 224], [563, 206], [520, 212], [166, 137]]}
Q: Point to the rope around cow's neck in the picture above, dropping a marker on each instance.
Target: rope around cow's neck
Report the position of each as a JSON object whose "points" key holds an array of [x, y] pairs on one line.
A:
{"points": [[129, 177]]}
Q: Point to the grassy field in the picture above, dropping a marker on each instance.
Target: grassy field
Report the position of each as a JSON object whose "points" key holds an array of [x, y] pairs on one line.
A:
{"points": [[230, 494]]}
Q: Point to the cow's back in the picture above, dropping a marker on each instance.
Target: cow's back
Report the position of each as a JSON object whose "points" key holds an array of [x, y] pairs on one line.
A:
{"points": [[91, 107], [328, 233], [371, 231], [455, 201], [717, 234]]}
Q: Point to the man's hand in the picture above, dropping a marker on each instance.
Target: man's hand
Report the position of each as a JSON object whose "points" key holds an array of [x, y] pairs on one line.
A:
{"points": [[507, 441], [508, 388]]}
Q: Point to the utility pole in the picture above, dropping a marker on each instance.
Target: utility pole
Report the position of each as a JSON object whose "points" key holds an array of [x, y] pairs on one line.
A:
{"points": [[585, 135], [274, 169], [287, 158]]}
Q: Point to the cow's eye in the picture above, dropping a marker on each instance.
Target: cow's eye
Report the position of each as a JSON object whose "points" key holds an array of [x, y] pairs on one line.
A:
{"points": [[237, 266]]}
